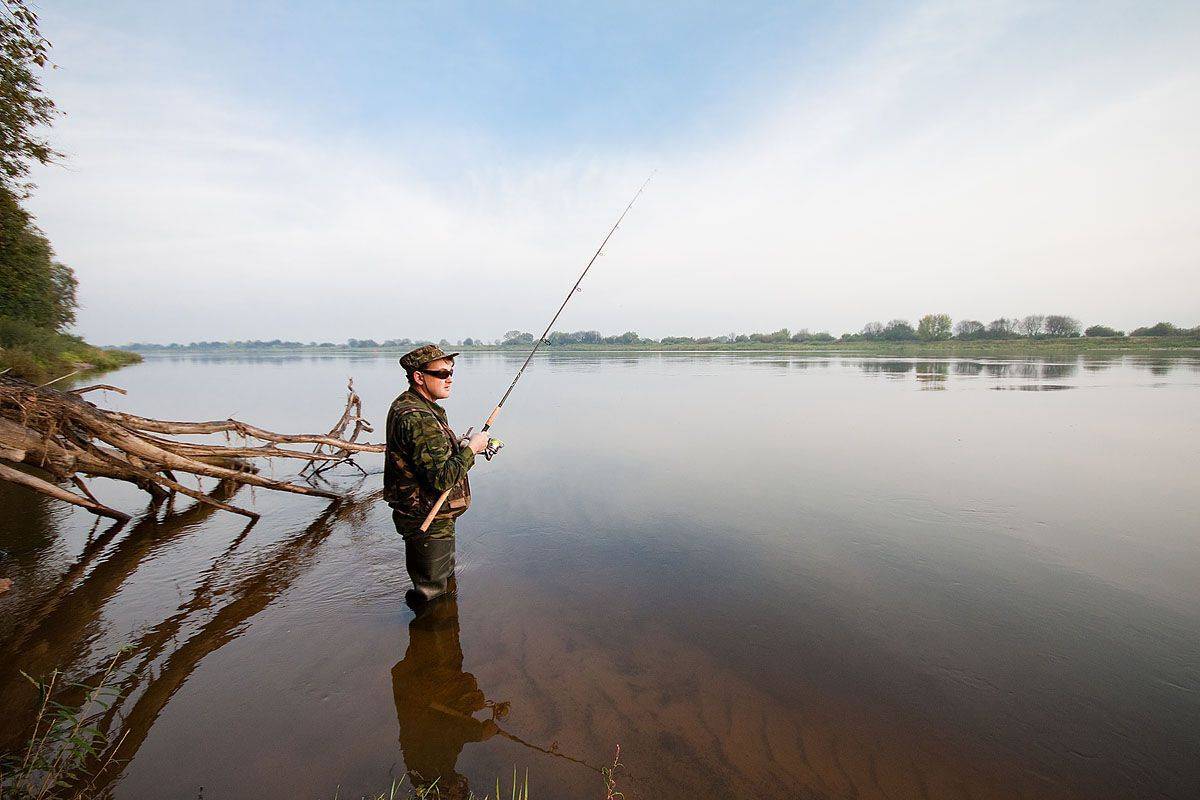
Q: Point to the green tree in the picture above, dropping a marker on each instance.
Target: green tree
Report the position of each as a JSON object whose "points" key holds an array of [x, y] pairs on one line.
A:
{"points": [[517, 337], [33, 286], [899, 330], [1158, 329], [24, 108], [934, 327], [1102, 330]]}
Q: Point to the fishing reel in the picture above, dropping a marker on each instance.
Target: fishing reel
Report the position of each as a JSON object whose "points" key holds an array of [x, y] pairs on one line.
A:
{"points": [[493, 447], [489, 452]]}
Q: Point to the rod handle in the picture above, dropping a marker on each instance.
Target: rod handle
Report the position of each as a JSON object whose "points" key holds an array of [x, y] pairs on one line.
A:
{"points": [[492, 418], [433, 511]]}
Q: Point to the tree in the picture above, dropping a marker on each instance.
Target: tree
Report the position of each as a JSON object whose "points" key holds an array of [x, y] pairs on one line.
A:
{"points": [[33, 286], [968, 329], [899, 330], [1160, 329], [934, 327], [1032, 325], [1062, 326], [24, 109], [1102, 330], [1002, 328], [517, 337], [872, 330]]}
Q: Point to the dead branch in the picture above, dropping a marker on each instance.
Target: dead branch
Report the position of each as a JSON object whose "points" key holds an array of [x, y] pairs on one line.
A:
{"points": [[57, 492], [98, 387], [60, 433]]}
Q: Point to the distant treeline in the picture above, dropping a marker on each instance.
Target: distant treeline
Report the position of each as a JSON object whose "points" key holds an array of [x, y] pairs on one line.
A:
{"points": [[930, 328]]}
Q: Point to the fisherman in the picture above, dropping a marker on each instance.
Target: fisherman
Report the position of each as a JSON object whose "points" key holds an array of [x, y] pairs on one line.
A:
{"points": [[424, 458]]}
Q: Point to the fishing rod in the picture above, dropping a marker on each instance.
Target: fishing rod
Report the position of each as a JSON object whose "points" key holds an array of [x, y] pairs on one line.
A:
{"points": [[541, 340]]}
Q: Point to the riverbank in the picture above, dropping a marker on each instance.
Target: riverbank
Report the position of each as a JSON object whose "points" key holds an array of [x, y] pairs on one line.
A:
{"points": [[39, 355], [943, 349]]}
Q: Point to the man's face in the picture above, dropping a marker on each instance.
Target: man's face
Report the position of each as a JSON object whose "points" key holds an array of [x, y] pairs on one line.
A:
{"points": [[435, 387]]}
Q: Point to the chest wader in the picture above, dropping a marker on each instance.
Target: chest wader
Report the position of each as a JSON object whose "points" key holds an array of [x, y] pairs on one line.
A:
{"points": [[428, 556]]}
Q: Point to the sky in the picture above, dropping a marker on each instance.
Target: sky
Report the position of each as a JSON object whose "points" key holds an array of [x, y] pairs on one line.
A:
{"points": [[324, 171]]}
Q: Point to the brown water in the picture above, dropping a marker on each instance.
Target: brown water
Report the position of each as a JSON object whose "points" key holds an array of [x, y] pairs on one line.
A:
{"points": [[761, 575]]}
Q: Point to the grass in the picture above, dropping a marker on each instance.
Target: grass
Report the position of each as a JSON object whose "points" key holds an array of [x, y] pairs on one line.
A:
{"points": [[65, 740], [38, 355], [62, 757]]}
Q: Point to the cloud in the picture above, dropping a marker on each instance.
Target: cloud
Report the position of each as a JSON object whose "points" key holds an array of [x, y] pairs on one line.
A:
{"points": [[982, 160]]}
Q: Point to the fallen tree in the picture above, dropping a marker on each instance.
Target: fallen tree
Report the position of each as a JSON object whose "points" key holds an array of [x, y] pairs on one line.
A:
{"points": [[64, 436]]}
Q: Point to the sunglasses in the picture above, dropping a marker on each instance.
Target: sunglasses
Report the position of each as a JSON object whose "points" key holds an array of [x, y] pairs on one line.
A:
{"points": [[440, 374]]}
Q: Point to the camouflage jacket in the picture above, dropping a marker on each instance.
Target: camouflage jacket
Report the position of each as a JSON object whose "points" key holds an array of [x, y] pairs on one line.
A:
{"points": [[423, 459]]}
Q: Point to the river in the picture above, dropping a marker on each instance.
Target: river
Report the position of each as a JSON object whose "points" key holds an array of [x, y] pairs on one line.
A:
{"points": [[762, 575]]}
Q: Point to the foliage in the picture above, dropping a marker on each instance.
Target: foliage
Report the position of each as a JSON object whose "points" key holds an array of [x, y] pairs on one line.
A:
{"points": [[1032, 325], [969, 329], [934, 327], [899, 330], [23, 106], [38, 354], [519, 791], [781, 335], [1166, 329], [517, 337], [64, 742], [33, 286], [1002, 328], [610, 777], [1062, 326], [1102, 330]]}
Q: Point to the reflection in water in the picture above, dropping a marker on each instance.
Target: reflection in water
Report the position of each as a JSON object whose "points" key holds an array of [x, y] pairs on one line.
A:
{"points": [[436, 700], [933, 374], [991, 626], [1034, 387], [892, 369], [1098, 362], [54, 632], [153, 668], [1059, 371]]}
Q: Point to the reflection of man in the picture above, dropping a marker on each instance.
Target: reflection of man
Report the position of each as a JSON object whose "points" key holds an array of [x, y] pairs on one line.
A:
{"points": [[435, 700], [424, 459]]}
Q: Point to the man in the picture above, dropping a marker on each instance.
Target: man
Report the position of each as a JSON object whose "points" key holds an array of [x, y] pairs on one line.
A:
{"points": [[424, 458]]}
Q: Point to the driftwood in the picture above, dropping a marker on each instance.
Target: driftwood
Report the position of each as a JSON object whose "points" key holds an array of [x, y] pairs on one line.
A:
{"points": [[65, 437]]}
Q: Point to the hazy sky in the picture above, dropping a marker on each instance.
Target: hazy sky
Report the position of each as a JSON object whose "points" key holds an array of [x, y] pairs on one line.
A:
{"points": [[321, 171]]}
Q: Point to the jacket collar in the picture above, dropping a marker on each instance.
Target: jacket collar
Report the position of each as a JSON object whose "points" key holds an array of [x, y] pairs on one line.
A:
{"points": [[411, 397]]}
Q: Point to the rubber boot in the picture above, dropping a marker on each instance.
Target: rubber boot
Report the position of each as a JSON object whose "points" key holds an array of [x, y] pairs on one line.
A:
{"points": [[430, 564]]}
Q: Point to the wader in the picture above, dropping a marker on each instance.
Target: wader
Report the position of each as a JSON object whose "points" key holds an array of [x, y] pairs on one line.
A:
{"points": [[429, 557]]}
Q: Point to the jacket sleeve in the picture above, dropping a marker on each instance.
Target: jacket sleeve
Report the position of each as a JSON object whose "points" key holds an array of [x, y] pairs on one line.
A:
{"points": [[433, 460]]}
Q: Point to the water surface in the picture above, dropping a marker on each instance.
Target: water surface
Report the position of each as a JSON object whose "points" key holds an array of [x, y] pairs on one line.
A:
{"points": [[765, 575]]}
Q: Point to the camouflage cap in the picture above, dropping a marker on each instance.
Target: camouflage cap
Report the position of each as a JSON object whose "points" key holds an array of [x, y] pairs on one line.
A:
{"points": [[422, 356]]}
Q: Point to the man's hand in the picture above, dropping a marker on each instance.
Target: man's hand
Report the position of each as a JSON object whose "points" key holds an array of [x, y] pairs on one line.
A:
{"points": [[478, 443]]}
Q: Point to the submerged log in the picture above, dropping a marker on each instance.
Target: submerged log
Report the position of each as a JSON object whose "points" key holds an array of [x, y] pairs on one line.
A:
{"points": [[65, 436]]}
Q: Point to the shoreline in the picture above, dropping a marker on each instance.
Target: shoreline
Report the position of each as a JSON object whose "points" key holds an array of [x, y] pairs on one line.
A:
{"points": [[944, 349]]}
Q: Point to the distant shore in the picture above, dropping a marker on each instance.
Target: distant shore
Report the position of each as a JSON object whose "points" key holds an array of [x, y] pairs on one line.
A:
{"points": [[996, 347]]}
